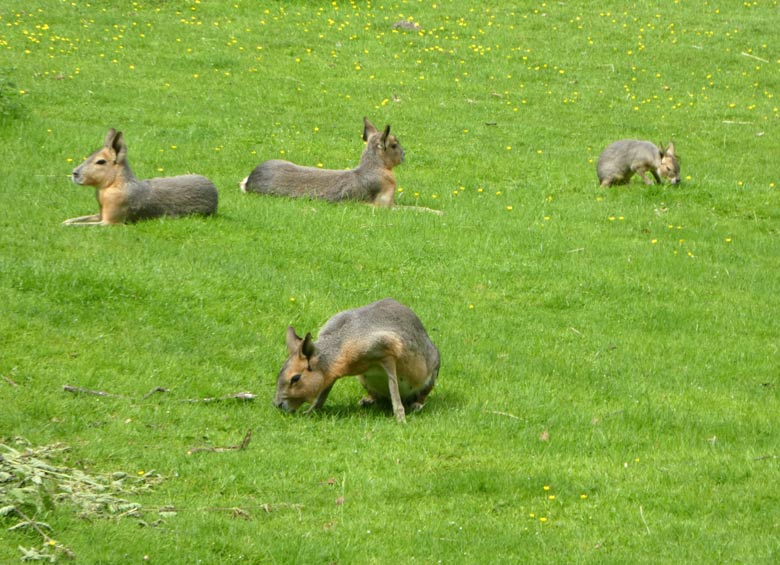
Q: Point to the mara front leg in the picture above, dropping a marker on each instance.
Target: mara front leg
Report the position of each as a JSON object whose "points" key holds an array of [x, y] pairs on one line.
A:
{"points": [[641, 170], [388, 364], [320, 400], [91, 220]]}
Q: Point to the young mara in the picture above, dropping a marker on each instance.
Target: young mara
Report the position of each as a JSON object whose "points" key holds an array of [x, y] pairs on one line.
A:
{"points": [[620, 160]]}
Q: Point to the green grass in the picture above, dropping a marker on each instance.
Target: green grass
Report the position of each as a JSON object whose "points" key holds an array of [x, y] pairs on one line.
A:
{"points": [[614, 349]]}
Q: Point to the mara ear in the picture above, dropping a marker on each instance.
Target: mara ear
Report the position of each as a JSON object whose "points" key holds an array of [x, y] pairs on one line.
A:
{"points": [[293, 340], [109, 140], [307, 347], [385, 135], [670, 149], [368, 129], [119, 147]]}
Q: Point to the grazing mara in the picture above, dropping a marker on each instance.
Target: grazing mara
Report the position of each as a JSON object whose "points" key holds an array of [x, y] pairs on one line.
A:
{"points": [[384, 344], [620, 160]]}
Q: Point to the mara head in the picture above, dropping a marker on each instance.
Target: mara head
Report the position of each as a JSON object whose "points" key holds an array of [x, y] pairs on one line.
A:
{"points": [[670, 166], [382, 144], [106, 166], [300, 380]]}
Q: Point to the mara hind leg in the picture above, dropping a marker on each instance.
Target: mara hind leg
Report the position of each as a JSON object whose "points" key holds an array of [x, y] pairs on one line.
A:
{"points": [[418, 401]]}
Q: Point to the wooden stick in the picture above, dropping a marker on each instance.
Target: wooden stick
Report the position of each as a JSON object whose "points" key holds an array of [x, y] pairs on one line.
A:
{"points": [[30, 522], [79, 390], [236, 396], [9, 381], [754, 57], [153, 391], [642, 515], [507, 414], [240, 447]]}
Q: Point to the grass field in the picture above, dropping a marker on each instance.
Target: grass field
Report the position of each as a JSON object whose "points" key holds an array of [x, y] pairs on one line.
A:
{"points": [[609, 384]]}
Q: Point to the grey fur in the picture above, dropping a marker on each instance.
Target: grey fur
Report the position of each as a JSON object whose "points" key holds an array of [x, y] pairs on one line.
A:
{"points": [[371, 181], [622, 159], [124, 198], [384, 343], [182, 195]]}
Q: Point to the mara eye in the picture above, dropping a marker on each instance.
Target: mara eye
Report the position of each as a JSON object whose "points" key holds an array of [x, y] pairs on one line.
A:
{"points": [[100, 162], [295, 379], [394, 146]]}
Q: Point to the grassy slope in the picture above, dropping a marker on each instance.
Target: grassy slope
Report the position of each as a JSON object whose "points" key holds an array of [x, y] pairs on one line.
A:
{"points": [[634, 326]]}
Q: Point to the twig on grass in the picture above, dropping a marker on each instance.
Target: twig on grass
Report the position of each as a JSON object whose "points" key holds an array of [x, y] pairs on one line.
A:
{"points": [[236, 396], [642, 515], [240, 447], [507, 414], [79, 390], [153, 391], [754, 57], [244, 396], [243, 512], [597, 420], [49, 542], [9, 381]]}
